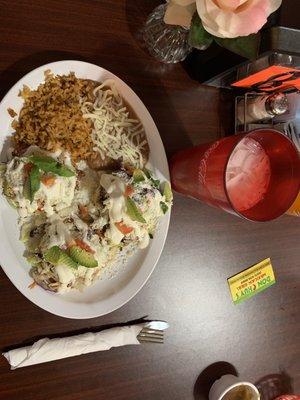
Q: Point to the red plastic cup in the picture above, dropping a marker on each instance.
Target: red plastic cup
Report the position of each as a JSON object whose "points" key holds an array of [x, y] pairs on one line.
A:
{"points": [[202, 172]]}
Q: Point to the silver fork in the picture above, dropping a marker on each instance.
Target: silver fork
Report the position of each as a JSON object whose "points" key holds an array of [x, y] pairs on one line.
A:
{"points": [[153, 332]]}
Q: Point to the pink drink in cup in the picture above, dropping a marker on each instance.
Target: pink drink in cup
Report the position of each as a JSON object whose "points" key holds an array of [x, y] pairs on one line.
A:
{"points": [[248, 174], [254, 175]]}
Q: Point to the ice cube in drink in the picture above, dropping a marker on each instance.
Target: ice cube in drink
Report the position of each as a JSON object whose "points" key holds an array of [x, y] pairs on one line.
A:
{"points": [[248, 174]]}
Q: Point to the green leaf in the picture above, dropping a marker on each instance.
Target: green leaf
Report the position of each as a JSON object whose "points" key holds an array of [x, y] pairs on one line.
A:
{"points": [[168, 192], [148, 173], [62, 170], [133, 211], [198, 36], [35, 181], [48, 164], [164, 207], [155, 182], [42, 160], [245, 46], [138, 176]]}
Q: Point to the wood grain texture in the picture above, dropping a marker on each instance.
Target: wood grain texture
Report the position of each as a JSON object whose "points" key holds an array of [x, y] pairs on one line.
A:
{"points": [[204, 246]]}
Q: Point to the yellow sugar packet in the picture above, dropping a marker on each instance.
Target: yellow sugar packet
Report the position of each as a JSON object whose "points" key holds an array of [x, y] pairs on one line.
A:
{"points": [[252, 280]]}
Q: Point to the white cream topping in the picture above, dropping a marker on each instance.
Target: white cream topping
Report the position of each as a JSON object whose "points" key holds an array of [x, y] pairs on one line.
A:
{"points": [[55, 197], [56, 234], [65, 274], [115, 188]]}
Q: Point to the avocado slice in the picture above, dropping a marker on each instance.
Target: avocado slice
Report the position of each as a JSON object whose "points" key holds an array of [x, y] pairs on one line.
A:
{"points": [[56, 256], [82, 257]]}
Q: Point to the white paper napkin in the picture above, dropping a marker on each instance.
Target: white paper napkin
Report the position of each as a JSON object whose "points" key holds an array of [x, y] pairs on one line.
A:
{"points": [[47, 349]]}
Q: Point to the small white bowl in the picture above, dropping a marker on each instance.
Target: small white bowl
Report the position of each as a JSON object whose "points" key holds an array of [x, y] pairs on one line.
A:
{"points": [[228, 382]]}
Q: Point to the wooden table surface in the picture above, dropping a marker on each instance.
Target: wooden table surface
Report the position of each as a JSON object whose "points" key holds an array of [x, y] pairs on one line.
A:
{"points": [[205, 246]]}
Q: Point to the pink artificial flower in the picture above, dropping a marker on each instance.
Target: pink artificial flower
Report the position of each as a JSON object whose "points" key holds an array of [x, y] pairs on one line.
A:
{"points": [[233, 18]]}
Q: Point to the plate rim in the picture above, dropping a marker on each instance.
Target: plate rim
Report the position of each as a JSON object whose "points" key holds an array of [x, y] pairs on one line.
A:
{"points": [[166, 173]]}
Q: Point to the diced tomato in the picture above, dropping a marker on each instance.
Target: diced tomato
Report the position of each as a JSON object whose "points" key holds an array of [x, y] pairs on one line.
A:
{"points": [[125, 229], [40, 205], [84, 246], [70, 243], [84, 214], [27, 168], [83, 209], [48, 180], [128, 191]]}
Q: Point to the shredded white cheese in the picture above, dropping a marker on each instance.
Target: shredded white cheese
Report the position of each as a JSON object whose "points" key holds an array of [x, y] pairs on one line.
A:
{"points": [[114, 134]]}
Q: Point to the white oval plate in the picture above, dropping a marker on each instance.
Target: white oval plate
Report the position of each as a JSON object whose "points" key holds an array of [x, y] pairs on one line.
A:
{"points": [[108, 294]]}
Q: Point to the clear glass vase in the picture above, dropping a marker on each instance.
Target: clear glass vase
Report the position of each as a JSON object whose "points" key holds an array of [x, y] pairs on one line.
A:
{"points": [[167, 43]]}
